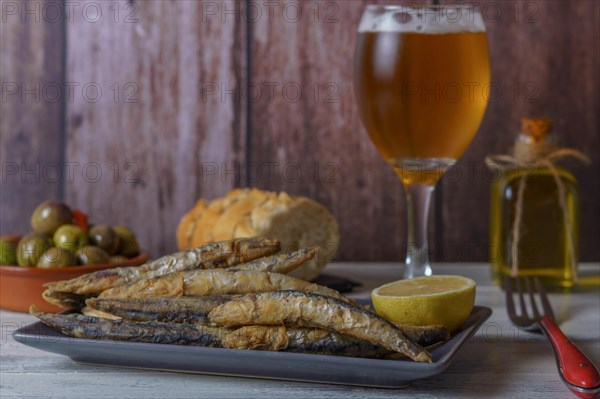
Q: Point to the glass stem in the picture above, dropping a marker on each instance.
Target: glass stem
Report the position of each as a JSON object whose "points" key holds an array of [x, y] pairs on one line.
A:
{"points": [[418, 197]]}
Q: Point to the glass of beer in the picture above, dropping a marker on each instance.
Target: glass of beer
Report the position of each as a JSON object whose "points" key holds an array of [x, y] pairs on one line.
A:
{"points": [[421, 80]]}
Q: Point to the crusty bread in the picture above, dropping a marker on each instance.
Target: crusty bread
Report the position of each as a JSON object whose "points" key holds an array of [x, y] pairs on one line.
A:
{"points": [[188, 224], [203, 230], [297, 222], [224, 226]]}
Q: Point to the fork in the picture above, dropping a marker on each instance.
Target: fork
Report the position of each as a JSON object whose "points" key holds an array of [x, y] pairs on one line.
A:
{"points": [[575, 369]]}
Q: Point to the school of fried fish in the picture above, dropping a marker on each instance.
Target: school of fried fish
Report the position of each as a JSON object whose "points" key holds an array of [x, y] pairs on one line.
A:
{"points": [[229, 294]]}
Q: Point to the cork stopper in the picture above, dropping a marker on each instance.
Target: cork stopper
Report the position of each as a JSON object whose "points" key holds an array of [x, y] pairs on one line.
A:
{"points": [[536, 128], [535, 141]]}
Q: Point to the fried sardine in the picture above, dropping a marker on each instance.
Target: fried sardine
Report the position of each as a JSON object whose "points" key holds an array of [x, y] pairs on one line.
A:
{"points": [[281, 263], [302, 309], [214, 255], [301, 340], [211, 282], [196, 310], [80, 326], [273, 338], [174, 310]]}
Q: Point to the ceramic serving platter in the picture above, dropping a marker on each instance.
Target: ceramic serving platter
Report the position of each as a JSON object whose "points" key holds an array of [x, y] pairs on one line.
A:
{"points": [[383, 373]]}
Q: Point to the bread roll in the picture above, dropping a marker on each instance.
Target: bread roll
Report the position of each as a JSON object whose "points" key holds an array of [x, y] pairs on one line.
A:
{"points": [[188, 223], [297, 222]]}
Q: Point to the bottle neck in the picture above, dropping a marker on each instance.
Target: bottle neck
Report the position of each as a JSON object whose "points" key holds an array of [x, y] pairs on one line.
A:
{"points": [[528, 150]]}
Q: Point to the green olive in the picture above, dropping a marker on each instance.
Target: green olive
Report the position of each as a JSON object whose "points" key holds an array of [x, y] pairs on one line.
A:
{"points": [[49, 216], [55, 258], [128, 244], [8, 253], [31, 247], [70, 237], [104, 236], [118, 259], [90, 255]]}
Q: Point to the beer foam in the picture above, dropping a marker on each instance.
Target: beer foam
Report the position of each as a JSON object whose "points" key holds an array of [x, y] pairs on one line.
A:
{"points": [[447, 19]]}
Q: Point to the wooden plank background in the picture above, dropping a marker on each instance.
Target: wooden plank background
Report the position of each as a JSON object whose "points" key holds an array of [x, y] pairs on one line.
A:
{"points": [[174, 101], [545, 61], [31, 114], [154, 139]]}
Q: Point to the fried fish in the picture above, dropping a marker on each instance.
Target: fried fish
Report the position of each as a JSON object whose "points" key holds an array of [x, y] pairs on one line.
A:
{"points": [[214, 255], [303, 309], [281, 263], [80, 326], [196, 310], [301, 340], [211, 282], [273, 338], [174, 310]]}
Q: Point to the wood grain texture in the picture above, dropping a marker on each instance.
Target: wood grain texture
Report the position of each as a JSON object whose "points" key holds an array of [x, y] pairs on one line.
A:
{"points": [[321, 129], [208, 98], [31, 123], [545, 61], [499, 361], [164, 131], [368, 202]]}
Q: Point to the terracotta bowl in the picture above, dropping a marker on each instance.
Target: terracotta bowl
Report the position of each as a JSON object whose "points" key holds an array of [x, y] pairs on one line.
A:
{"points": [[21, 287]]}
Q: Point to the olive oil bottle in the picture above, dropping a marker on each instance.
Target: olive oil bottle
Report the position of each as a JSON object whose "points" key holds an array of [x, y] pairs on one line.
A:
{"points": [[534, 226]]}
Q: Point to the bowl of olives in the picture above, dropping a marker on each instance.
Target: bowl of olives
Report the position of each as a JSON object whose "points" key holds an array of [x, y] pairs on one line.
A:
{"points": [[62, 245]]}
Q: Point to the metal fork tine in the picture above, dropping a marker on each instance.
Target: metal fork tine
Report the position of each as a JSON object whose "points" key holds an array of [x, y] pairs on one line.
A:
{"points": [[521, 299], [534, 307], [544, 298]]}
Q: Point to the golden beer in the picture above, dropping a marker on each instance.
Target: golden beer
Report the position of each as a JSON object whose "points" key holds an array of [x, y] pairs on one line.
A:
{"points": [[421, 97], [421, 79]]}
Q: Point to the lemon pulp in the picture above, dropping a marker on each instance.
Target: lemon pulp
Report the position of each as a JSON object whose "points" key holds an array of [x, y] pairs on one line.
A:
{"points": [[426, 301]]}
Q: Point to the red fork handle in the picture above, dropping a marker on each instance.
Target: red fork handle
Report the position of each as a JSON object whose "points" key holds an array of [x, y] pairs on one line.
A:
{"points": [[575, 368]]}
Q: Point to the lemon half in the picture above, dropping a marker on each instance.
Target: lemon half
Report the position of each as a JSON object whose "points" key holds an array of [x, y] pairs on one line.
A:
{"points": [[426, 301]]}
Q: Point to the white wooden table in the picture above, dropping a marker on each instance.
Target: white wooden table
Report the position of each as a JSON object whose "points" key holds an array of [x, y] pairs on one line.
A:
{"points": [[499, 361]]}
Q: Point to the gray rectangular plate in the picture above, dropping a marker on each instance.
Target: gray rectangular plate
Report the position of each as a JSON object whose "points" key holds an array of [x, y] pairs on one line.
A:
{"points": [[380, 373]]}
